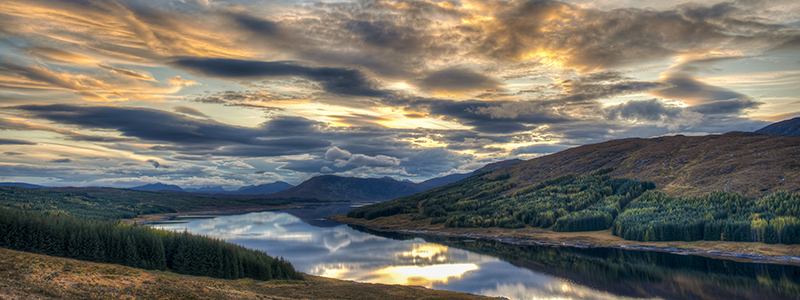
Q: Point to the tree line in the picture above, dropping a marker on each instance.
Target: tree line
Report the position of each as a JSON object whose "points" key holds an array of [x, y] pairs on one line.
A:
{"points": [[567, 203], [718, 216], [58, 234], [595, 202]]}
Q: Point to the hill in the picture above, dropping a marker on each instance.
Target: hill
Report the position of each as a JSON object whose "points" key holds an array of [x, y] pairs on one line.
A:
{"points": [[333, 188], [34, 276], [158, 186], [337, 188], [21, 184], [789, 127], [753, 164]]}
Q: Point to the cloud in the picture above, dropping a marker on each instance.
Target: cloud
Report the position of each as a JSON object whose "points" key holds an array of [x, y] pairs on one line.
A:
{"points": [[280, 136], [62, 160], [15, 142], [9, 153], [129, 73], [654, 112], [692, 91], [155, 163], [361, 160], [335, 153], [333, 80], [325, 169], [238, 164], [21, 125], [62, 56], [456, 81], [189, 111], [177, 80]]}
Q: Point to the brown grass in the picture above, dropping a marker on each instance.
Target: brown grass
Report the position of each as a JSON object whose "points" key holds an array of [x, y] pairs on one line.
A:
{"points": [[751, 163], [599, 238], [32, 276]]}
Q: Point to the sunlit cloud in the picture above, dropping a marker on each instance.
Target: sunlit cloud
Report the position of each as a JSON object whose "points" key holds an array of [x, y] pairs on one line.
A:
{"points": [[453, 84]]}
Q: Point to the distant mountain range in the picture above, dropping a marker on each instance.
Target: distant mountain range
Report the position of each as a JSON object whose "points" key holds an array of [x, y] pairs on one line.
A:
{"points": [[261, 189], [158, 186], [789, 127], [332, 188], [268, 188]]}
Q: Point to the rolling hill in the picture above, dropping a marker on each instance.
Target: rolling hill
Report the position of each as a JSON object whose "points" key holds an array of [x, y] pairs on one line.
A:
{"points": [[753, 164]]}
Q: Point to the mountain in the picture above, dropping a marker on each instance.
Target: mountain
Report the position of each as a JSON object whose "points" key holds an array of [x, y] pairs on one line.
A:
{"points": [[21, 184], [332, 188], [754, 164], [206, 190], [789, 127], [268, 188], [158, 186]]}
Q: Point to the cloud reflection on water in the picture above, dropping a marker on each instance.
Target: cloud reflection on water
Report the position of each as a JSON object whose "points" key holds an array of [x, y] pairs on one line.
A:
{"points": [[343, 253]]}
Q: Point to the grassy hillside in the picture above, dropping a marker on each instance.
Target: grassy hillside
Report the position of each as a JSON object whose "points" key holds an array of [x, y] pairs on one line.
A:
{"points": [[753, 164], [31, 276]]}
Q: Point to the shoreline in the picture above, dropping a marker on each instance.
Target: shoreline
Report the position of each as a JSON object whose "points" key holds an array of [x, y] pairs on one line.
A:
{"points": [[155, 218], [625, 245]]}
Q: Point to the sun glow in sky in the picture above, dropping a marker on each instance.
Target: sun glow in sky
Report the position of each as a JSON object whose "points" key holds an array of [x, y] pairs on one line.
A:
{"points": [[239, 92]]}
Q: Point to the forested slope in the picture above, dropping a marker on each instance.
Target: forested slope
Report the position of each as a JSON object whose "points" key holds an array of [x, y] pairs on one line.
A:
{"points": [[83, 224], [632, 209]]}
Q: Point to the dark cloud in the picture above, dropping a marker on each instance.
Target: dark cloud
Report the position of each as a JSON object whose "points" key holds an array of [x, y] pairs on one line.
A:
{"points": [[456, 80], [12, 153], [333, 80], [704, 64], [704, 98], [255, 24], [650, 110], [189, 111], [154, 162], [731, 107], [15, 142], [62, 160], [188, 135]]}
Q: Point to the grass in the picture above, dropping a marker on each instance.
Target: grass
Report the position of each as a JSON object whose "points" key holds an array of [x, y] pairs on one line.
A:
{"points": [[32, 276]]}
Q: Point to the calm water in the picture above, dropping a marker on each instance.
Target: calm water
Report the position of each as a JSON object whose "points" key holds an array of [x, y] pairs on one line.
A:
{"points": [[325, 248]]}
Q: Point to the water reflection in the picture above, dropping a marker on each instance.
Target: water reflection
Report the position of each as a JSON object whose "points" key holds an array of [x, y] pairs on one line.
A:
{"points": [[523, 272]]}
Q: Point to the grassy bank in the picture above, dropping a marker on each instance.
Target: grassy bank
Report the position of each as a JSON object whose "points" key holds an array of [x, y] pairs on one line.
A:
{"points": [[31, 276], [602, 238]]}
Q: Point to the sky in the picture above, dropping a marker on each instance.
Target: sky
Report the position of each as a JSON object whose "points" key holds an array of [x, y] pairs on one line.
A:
{"points": [[234, 93]]}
